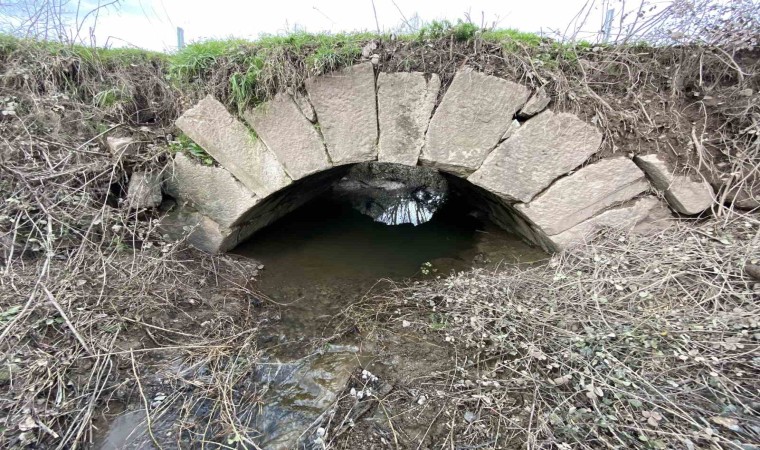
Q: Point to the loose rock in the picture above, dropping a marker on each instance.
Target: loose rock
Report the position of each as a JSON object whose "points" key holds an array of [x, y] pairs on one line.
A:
{"points": [[144, 190], [537, 103], [122, 146]]}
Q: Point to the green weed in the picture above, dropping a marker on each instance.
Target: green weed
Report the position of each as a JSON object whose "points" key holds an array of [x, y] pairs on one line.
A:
{"points": [[109, 97], [196, 59], [464, 31], [438, 321], [9, 314], [186, 145], [243, 84]]}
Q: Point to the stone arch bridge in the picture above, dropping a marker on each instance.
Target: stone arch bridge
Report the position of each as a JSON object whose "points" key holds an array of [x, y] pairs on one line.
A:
{"points": [[528, 165]]}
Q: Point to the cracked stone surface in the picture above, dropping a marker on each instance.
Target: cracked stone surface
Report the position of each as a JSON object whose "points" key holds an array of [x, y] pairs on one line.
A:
{"points": [[346, 110], [577, 197], [474, 114], [234, 146], [645, 214], [200, 231], [682, 193], [405, 102], [212, 191], [545, 147], [289, 135]]}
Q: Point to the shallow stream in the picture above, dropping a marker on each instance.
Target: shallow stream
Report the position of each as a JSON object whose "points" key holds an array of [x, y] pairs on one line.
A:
{"points": [[318, 260]]}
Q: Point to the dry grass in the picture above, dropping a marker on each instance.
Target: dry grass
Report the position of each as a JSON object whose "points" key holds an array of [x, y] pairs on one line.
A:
{"points": [[93, 303], [119, 327], [627, 342], [97, 311]]}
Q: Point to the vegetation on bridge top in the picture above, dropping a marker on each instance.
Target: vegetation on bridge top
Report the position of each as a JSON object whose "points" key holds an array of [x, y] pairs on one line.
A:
{"points": [[245, 72]]}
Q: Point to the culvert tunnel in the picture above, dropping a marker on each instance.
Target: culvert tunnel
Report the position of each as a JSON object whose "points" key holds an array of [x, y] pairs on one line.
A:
{"points": [[531, 170]]}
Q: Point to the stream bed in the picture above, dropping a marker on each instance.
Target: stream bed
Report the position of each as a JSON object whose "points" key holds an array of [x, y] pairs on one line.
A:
{"points": [[318, 261]]}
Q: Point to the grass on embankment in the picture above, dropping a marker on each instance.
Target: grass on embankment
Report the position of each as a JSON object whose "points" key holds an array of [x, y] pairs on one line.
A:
{"points": [[244, 72]]}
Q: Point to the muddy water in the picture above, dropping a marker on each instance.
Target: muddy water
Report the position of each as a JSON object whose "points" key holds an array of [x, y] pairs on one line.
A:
{"points": [[325, 256], [317, 261]]}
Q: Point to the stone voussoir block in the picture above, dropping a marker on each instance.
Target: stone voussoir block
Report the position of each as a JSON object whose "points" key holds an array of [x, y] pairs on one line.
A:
{"points": [[475, 112], [289, 135], [346, 110], [200, 231], [577, 197], [234, 146], [212, 191], [645, 214], [682, 193], [542, 149], [405, 102]]}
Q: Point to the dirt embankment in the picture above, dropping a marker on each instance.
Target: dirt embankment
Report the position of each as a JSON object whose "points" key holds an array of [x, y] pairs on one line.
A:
{"points": [[624, 343]]}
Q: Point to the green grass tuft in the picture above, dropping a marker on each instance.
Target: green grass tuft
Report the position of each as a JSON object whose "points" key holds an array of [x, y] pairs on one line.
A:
{"points": [[198, 58], [513, 38], [252, 67], [186, 145]]}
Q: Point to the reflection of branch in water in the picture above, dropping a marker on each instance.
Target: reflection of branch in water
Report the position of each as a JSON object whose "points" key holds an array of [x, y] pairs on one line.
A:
{"points": [[409, 209]]}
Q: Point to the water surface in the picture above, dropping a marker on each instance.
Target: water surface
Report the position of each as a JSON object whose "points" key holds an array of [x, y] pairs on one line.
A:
{"points": [[319, 260]]}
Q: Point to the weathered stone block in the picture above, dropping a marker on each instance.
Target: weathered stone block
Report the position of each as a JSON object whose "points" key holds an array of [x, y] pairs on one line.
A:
{"points": [[212, 191], [347, 113], [144, 190], [682, 193], [305, 107], [289, 135], [405, 102], [645, 214], [238, 150], [473, 116], [577, 197], [200, 231], [542, 149], [537, 103]]}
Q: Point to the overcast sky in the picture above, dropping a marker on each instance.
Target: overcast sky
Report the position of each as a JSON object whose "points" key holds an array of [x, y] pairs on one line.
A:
{"points": [[152, 23]]}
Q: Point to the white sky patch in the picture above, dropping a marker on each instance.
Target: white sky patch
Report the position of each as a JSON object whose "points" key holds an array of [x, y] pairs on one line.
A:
{"points": [[151, 24]]}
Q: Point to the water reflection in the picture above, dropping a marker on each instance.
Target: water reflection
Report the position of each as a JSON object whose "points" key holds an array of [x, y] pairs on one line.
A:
{"points": [[393, 194], [409, 210], [319, 260]]}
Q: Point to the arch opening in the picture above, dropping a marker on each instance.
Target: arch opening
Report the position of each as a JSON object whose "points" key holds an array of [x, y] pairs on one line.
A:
{"points": [[384, 220], [541, 178]]}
